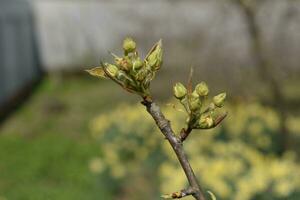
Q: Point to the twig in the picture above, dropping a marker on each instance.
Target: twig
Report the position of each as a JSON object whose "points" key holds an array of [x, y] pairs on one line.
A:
{"points": [[184, 133], [165, 127]]}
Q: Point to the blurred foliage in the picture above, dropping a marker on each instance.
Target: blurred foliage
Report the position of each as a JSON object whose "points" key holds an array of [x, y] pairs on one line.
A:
{"points": [[46, 151], [236, 161]]}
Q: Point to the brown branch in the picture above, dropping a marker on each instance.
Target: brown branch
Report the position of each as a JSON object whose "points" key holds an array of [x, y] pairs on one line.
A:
{"points": [[165, 127], [184, 133], [219, 119]]}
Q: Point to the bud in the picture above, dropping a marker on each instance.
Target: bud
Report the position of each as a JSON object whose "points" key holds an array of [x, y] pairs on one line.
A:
{"points": [[219, 99], [154, 57], [206, 122], [195, 102], [137, 64], [124, 63], [124, 78], [179, 91], [129, 45], [112, 70], [141, 75], [118, 61], [202, 89]]}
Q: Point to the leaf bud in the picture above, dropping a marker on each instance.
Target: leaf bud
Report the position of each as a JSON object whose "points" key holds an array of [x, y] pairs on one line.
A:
{"points": [[154, 57]]}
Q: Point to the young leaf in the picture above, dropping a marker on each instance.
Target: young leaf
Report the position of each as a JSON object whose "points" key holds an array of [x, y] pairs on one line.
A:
{"points": [[97, 71]]}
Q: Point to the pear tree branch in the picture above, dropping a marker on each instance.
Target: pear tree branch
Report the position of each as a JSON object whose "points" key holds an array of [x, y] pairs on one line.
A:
{"points": [[165, 127], [134, 75]]}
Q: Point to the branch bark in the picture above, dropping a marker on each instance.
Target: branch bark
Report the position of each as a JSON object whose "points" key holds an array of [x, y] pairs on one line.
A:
{"points": [[165, 127]]}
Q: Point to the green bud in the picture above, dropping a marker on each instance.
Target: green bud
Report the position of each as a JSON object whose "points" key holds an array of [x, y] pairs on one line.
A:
{"points": [[202, 89], [112, 70], [219, 99], [206, 122], [129, 45], [154, 57], [137, 64], [141, 75], [125, 79], [179, 91], [195, 102], [124, 63]]}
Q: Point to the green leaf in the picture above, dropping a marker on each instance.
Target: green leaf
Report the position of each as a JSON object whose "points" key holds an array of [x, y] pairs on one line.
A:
{"points": [[97, 71]]}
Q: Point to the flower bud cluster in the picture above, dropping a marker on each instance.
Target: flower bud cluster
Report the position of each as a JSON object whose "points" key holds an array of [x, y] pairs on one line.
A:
{"points": [[130, 71], [193, 102]]}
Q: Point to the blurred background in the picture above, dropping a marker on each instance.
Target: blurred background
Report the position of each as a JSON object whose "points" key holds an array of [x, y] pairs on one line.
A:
{"points": [[67, 135]]}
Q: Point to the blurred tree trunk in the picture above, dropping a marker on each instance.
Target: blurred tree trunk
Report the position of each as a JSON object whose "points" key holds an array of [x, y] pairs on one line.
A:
{"points": [[249, 9]]}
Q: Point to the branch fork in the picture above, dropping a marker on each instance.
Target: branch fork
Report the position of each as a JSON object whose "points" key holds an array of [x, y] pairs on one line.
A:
{"points": [[134, 75], [165, 127]]}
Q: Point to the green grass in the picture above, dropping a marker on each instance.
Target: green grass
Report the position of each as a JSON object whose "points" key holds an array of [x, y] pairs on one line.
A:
{"points": [[45, 146], [50, 166], [65, 106]]}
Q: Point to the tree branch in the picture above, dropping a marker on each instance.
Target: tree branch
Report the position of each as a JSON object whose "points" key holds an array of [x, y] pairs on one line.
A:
{"points": [[165, 127], [184, 133]]}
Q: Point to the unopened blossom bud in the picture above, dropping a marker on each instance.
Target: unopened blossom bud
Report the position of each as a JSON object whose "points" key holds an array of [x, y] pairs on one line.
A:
{"points": [[219, 99], [112, 70], [154, 57], [202, 89], [129, 45], [125, 63], [206, 122], [137, 64], [124, 78], [195, 102], [179, 91], [121, 76]]}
